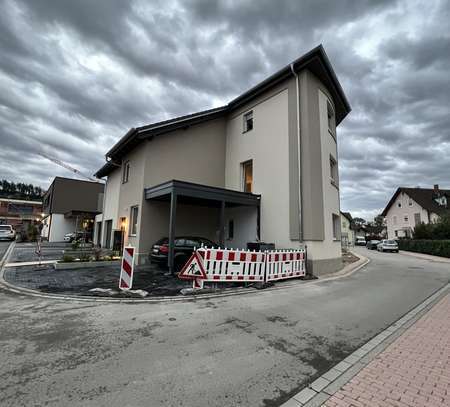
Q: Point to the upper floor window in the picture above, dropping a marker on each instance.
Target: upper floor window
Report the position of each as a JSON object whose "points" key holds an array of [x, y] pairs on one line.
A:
{"points": [[336, 227], [247, 176], [399, 204], [394, 220], [333, 170], [406, 218], [125, 171], [410, 202], [330, 113], [248, 121], [134, 210]]}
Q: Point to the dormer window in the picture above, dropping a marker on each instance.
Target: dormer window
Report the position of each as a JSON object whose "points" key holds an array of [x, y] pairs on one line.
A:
{"points": [[248, 121]]}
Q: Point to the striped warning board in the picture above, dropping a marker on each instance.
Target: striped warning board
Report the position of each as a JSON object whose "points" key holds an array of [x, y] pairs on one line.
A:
{"points": [[126, 271]]}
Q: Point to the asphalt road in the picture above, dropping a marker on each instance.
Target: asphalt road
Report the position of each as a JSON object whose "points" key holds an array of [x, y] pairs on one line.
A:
{"points": [[252, 350], [3, 247]]}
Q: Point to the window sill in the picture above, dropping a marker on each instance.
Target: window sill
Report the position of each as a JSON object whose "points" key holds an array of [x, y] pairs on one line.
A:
{"points": [[132, 235], [247, 131]]}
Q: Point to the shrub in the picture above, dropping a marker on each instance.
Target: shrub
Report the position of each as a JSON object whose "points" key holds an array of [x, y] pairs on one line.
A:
{"points": [[434, 231], [67, 258], [433, 247], [85, 257]]}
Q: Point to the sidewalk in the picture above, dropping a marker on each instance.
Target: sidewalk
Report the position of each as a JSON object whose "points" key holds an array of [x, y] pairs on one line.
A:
{"points": [[413, 371], [424, 256]]}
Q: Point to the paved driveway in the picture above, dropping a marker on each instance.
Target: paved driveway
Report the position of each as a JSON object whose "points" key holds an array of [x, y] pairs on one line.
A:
{"points": [[253, 350]]}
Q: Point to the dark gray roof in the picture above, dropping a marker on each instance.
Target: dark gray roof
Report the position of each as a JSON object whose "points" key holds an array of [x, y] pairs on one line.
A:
{"points": [[424, 197], [347, 215], [315, 60]]}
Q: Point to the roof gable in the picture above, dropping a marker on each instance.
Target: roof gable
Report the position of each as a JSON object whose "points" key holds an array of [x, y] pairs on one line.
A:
{"points": [[423, 197], [315, 60]]}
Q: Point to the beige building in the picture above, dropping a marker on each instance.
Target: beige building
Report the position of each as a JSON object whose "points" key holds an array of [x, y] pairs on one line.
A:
{"points": [[409, 207], [264, 167], [347, 233]]}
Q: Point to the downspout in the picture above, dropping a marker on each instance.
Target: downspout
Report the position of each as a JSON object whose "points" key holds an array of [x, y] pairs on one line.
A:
{"points": [[299, 150]]}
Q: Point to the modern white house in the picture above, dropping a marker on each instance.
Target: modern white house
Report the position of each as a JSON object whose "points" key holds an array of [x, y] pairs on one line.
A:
{"points": [[409, 207], [264, 168], [347, 232], [70, 205]]}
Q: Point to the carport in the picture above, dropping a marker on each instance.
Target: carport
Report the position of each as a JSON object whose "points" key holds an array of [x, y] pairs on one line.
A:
{"points": [[200, 195]]}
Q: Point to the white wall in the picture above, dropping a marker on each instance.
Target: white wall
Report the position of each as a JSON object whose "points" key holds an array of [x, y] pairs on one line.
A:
{"points": [[245, 226], [329, 248], [111, 201], [59, 226], [267, 146], [408, 208]]}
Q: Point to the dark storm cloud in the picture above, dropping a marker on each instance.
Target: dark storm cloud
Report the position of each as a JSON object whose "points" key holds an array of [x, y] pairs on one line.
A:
{"points": [[74, 76]]}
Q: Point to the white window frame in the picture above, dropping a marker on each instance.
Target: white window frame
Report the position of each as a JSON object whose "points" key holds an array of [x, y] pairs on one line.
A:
{"points": [[333, 174], [125, 171], [134, 214], [405, 218], [248, 118], [243, 165], [336, 225]]}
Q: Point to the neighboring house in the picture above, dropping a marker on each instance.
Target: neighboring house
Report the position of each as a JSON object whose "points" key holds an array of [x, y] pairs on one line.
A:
{"points": [[264, 167], [19, 213], [70, 205], [411, 206], [347, 233]]}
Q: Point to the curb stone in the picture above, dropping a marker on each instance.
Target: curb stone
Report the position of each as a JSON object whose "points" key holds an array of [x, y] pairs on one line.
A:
{"points": [[344, 272], [330, 382]]}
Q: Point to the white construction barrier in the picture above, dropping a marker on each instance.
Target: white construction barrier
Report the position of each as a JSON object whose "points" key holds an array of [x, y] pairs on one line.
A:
{"points": [[285, 264], [227, 265], [233, 265]]}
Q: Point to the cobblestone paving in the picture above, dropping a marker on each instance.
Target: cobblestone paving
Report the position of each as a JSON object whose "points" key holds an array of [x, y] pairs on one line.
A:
{"points": [[414, 371]]}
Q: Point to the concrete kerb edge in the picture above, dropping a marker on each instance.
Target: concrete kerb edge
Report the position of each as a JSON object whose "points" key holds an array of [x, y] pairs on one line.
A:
{"points": [[344, 272], [323, 388], [7, 254]]}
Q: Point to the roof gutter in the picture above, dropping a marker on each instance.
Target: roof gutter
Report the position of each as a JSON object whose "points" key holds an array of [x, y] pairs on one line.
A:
{"points": [[299, 151]]}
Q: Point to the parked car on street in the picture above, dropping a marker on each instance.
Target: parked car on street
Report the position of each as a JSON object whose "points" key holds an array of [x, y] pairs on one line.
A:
{"points": [[7, 232], [387, 246], [184, 246], [360, 241], [372, 244], [70, 237]]}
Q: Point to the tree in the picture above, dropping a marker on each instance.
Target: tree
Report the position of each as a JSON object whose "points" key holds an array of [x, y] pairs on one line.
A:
{"points": [[20, 190], [358, 222]]}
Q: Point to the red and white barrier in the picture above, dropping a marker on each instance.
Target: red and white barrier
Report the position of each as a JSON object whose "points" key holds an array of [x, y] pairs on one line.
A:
{"points": [[285, 264], [225, 265], [127, 268], [232, 265]]}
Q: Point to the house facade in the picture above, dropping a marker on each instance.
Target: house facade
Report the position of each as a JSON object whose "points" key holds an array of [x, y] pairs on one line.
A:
{"points": [[347, 233], [20, 213], [70, 205], [262, 168], [409, 207]]}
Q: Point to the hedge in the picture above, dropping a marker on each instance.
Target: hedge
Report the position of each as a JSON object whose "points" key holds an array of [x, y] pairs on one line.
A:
{"points": [[433, 247]]}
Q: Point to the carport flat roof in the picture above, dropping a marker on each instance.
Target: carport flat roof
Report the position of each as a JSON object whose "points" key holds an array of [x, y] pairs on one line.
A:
{"points": [[199, 194]]}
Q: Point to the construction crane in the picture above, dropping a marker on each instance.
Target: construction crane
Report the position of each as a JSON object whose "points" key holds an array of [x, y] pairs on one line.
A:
{"points": [[68, 167]]}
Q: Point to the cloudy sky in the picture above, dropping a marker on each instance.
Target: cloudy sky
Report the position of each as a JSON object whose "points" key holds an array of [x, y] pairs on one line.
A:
{"points": [[76, 75]]}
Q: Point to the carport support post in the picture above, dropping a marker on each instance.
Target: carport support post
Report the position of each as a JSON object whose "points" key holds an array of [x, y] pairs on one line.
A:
{"points": [[222, 224], [173, 218]]}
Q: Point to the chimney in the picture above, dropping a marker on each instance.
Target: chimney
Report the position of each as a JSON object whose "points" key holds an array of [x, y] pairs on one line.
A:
{"points": [[436, 188]]}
